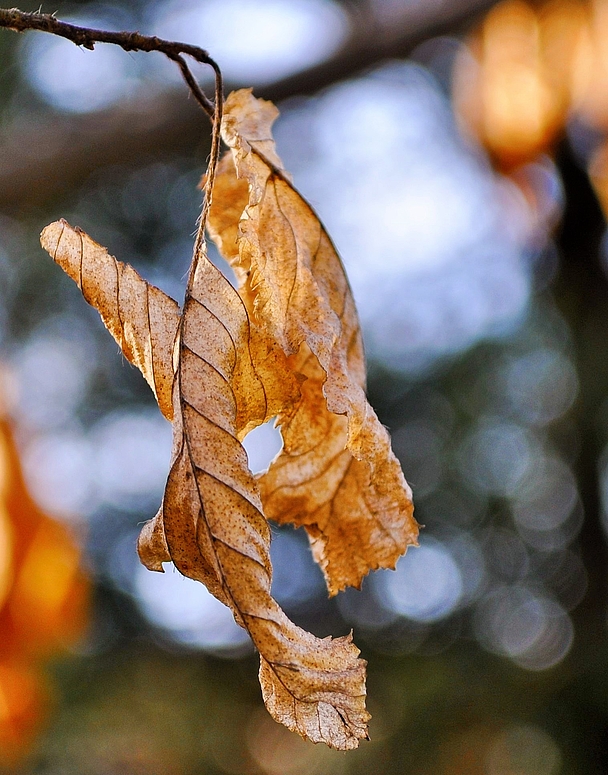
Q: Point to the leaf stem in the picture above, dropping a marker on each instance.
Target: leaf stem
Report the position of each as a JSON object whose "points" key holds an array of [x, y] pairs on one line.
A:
{"points": [[214, 156], [20, 21]]}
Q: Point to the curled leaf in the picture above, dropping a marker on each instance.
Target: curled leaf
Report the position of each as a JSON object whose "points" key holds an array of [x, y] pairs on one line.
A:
{"points": [[336, 475], [315, 687], [354, 518], [211, 523], [286, 344]]}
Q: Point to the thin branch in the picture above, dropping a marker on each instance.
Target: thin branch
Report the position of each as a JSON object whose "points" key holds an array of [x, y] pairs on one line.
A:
{"points": [[196, 90], [20, 21], [214, 157]]}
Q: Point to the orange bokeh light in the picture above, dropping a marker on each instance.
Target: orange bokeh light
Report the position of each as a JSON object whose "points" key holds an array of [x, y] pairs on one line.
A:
{"points": [[512, 84], [23, 699], [590, 70]]}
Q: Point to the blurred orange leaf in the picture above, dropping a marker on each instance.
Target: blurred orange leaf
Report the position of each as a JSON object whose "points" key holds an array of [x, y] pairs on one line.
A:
{"points": [[45, 597], [23, 696], [590, 68], [43, 600], [513, 84]]}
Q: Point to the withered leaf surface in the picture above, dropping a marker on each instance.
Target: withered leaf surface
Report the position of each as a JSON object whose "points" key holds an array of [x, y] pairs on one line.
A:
{"points": [[336, 475], [211, 523], [141, 318]]}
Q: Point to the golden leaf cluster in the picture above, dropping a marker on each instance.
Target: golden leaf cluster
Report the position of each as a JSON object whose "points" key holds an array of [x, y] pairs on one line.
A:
{"points": [[287, 344]]}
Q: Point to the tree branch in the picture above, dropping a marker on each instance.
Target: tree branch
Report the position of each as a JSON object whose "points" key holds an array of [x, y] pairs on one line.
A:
{"points": [[21, 21]]}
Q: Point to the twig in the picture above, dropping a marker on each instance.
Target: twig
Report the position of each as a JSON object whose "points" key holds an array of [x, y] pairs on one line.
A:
{"points": [[20, 21], [214, 157]]}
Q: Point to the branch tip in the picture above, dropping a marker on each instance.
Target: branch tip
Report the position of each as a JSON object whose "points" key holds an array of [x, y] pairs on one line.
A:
{"points": [[21, 21]]}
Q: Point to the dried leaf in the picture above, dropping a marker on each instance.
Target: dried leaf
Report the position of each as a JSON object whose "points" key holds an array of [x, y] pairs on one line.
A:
{"points": [[211, 522], [141, 318], [336, 475], [348, 506]]}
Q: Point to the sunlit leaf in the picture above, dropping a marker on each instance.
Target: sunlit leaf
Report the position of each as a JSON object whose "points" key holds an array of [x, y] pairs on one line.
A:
{"points": [[336, 475]]}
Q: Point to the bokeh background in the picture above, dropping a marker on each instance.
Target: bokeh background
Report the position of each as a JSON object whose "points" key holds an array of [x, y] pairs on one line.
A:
{"points": [[456, 152]]}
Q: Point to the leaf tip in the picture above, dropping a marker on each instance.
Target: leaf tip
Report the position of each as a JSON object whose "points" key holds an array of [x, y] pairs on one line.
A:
{"points": [[152, 545]]}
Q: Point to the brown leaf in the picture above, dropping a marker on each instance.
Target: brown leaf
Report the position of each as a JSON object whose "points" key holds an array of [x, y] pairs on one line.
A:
{"points": [[336, 474], [354, 519], [211, 522], [141, 318]]}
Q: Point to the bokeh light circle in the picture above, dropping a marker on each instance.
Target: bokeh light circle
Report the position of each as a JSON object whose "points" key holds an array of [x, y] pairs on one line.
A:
{"points": [[532, 630], [426, 585], [256, 42], [188, 612], [78, 81]]}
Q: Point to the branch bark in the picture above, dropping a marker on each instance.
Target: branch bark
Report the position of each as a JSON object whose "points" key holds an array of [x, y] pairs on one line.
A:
{"points": [[21, 21]]}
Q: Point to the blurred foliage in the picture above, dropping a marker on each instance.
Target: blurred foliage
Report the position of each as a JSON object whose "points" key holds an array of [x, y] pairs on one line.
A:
{"points": [[503, 444], [42, 602]]}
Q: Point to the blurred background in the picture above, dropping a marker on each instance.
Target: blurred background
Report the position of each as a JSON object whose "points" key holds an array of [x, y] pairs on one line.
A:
{"points": [[456, 151]]}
